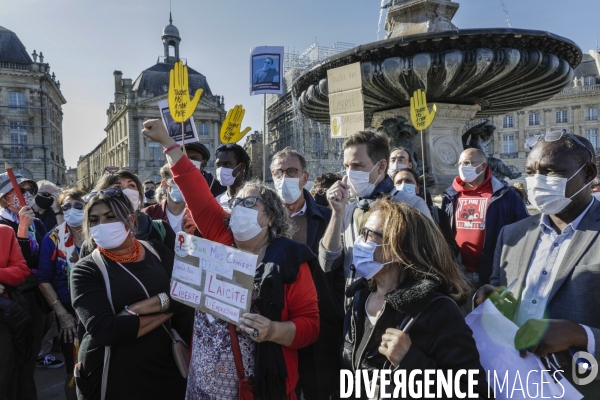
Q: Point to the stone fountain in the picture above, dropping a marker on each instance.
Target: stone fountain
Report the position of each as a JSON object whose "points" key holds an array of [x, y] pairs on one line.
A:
{"points": [[470, 74]]}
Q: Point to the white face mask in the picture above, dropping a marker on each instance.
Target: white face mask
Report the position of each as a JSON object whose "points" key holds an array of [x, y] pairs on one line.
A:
{"points": [[243, 223], [396, 167], [73, 217], [548, 192], [596, 195], [225, 176], [468, 174], [407, 188], [362, 258], [133, 196], [359, 181], [198, 164], [288, 189], [109, 236]]}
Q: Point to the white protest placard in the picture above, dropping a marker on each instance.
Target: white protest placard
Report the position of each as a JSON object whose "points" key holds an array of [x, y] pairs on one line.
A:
{"points": [[346, 105], [212, 277], [174, 128], [266, 70]]}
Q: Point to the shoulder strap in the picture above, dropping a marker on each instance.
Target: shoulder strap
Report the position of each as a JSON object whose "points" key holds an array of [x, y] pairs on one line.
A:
{"points": [[160, 228], [97, 257], [151, 249], [237, 353]]}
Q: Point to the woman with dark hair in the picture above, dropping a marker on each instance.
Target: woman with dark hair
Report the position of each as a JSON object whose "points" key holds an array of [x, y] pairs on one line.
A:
{"points": [[284, 314], [120, 292], [146, 228], [404, 315], [58, 254]]}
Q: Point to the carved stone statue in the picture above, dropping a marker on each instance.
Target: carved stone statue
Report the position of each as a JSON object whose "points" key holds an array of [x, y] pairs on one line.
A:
{"points": [[442, 22], [478, 137], [401, 134]]}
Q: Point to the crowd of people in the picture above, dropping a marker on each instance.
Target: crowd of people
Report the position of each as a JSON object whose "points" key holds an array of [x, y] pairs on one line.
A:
{"points": [[362, 272]]}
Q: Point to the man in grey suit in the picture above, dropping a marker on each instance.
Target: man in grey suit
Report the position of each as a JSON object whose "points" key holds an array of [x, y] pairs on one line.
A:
{"points": [[551, 261]]}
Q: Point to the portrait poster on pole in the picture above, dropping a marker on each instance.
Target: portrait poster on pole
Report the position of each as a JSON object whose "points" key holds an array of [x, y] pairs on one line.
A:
{"points": [[174, 128], [266, 70], [212, 277]]}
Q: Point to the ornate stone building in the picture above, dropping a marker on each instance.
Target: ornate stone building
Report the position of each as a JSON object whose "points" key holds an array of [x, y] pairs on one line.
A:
{"points": [[136, 101], [254, 148], [575, 108], [31, 138]]}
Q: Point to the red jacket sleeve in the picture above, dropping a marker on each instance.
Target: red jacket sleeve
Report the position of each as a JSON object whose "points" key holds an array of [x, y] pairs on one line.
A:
{"points": [[206, 212], [303, 309], [13, 268]]}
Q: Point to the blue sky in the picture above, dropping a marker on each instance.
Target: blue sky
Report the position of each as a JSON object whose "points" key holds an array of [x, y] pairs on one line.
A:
{"points": [[85, 41]]}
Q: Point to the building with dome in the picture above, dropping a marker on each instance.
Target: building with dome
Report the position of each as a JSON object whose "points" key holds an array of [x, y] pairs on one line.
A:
{"points": [[137, 101], [31, 138]]}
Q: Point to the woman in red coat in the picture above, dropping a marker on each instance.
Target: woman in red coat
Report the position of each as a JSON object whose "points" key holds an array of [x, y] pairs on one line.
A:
{"points": [[284, 315], [13, 271]]}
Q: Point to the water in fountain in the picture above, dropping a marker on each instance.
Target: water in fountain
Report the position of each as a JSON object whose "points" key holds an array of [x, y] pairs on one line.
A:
{"points": [[380, 18]]}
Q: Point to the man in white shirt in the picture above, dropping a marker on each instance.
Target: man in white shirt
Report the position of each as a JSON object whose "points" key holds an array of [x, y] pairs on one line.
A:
{"points": [[232, 164], [550, 260]]}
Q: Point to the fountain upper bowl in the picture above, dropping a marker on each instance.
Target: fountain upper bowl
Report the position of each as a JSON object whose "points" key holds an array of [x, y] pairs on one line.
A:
{"points": [[502, 70]]}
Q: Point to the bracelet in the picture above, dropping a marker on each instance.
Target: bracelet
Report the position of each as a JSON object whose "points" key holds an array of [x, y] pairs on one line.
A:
{"points": [[168, 149], [165, 302], [52, 305], [131, 312]]}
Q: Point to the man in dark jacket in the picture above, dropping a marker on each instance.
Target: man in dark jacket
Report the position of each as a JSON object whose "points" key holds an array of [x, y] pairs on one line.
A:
{"points": [[318, 365], [474, 210]]}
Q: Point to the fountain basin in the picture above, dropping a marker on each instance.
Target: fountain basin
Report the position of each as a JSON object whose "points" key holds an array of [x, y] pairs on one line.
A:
{"points": [[500, 70]]}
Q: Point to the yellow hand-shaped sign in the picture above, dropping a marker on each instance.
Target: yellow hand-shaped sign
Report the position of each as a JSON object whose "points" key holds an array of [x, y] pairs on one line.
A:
{"points": [[180, 105], [230, 131], [419, 113]]}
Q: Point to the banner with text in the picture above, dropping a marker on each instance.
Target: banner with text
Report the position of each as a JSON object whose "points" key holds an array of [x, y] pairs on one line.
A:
{"points": [[212, 277], [346, 106]]}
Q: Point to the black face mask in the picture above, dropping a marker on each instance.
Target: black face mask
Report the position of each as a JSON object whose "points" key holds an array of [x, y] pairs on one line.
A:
{"points": [[149, 194], [321, 199], [44, 202]]}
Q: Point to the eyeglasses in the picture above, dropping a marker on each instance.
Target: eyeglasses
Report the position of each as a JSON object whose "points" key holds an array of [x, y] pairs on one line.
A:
{"points": [[44, 194], [289, 172], [110, 192], [247, 202], [68, 206], [469, 163], [29, 190], [364, 233], [112, 170], [553, 136]]}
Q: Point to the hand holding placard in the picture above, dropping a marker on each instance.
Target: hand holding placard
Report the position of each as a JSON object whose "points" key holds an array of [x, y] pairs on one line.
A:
{"points": [[419, 112], [180, 105], [230, 131]]}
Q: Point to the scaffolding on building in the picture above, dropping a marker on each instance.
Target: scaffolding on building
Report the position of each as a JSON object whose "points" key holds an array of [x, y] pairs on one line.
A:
{"points": [[288, 127]]}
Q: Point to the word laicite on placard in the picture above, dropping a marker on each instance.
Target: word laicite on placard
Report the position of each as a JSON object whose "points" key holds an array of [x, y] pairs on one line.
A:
{"points": [[180, 104], [419, 113], [230, 131], [212, 277]]}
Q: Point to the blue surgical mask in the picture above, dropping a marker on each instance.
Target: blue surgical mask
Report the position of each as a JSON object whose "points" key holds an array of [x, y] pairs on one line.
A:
{"points": [[362, 258], [175, 194], [406, 187]]}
